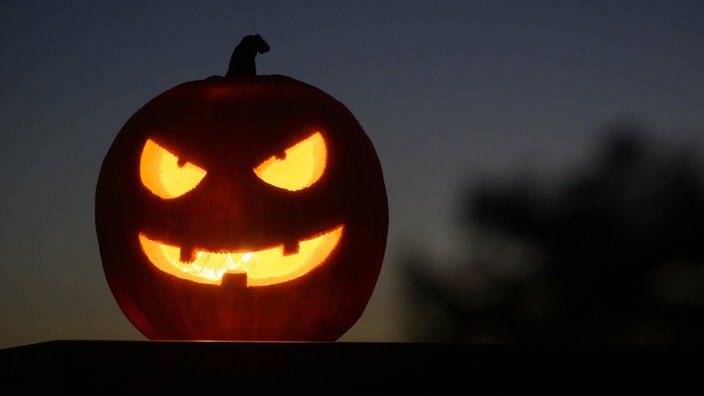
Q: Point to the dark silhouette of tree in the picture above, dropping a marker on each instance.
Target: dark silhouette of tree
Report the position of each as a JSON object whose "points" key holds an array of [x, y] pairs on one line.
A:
{"points": [[612, 255]]}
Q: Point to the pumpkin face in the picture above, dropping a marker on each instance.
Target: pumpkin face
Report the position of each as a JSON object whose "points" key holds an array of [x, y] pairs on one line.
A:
{"points": [[246, 208]]}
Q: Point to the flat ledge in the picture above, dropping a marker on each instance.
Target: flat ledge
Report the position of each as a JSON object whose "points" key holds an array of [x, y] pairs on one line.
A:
{"points": [[338, 367]]}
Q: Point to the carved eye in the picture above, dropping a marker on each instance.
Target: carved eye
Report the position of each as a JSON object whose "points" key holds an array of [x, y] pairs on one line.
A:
{"points": [[302, 165], [162, 174]]}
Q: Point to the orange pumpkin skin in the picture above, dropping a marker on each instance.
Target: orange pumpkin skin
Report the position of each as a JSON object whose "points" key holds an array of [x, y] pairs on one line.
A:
{"points": [[228, 126]]}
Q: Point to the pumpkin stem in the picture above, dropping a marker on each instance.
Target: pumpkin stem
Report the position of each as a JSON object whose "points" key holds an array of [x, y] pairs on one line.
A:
{"points": [[242, 60]]}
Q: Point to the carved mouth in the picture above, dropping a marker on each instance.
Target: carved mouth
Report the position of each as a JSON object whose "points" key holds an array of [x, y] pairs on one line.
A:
{"points": [[262, 267]]}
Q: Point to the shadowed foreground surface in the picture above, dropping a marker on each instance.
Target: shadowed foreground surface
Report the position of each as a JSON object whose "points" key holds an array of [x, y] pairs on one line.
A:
{"points": [[337, 368]]}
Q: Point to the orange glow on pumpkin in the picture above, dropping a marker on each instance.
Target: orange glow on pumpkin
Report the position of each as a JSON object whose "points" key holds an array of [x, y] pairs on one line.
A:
{"points": [[163, 176], [302, 166], [263, 267]]}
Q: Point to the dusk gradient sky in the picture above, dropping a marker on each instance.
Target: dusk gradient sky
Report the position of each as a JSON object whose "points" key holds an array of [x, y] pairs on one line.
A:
{"points": [[448, 91]]}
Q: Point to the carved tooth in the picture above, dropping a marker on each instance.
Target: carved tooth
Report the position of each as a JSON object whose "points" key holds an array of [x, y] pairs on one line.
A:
{"points": [[291, 248], [187, 254]]}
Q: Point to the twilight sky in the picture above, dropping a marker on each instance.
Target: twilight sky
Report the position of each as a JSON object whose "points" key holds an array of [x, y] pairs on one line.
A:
{"points": [[448, 91]]}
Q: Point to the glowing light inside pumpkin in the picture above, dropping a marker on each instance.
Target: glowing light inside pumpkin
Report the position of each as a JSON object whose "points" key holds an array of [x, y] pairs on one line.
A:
{"points": [[262, 267], [302, 166], [162, 175]]}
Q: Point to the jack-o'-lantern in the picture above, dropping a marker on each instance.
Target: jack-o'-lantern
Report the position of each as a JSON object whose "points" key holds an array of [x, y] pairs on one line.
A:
{"points": [[243, 207]]}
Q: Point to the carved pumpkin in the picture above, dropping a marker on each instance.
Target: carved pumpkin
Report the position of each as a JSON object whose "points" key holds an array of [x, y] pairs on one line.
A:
{"points": [[242, 207]]}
